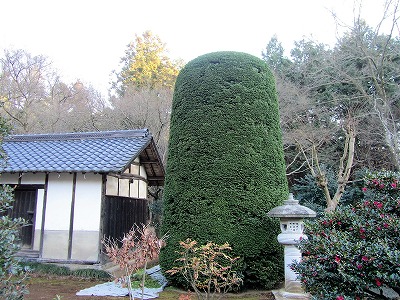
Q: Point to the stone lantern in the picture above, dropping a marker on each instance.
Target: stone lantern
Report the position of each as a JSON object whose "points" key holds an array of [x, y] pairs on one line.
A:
{"points": [[291, 215]]}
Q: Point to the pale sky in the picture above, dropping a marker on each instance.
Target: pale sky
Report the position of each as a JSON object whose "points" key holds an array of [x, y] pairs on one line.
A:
{"points": [[85, 39]]}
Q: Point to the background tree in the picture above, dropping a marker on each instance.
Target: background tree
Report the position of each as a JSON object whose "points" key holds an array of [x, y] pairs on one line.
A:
{"points": [[335, 97], [225, 167], [22, 86], [35, 100], [146, 65], [143, 89], [144, 108]]}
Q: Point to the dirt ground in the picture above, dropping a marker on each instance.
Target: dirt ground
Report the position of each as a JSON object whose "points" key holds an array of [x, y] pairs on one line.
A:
{"points": [[66, 287]]}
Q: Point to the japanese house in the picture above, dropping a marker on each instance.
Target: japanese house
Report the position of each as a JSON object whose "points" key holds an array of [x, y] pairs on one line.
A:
{"points": [[76, 188]]}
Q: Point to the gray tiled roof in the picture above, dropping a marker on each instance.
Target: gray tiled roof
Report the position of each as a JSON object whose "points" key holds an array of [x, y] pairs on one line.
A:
{"points": [[102, 152]]}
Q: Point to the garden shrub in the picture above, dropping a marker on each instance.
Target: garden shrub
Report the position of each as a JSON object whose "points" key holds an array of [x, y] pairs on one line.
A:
{"points": [[354, 252], [12, 274], [207, 268], [38, 268], [225, 167]]}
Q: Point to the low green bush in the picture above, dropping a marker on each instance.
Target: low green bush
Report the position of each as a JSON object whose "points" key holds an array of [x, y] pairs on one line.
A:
{"points": [[137, 278], [91, 273], [53, 269]]}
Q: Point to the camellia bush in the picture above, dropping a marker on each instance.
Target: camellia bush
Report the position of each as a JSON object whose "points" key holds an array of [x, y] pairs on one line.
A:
{"points": [[225, 167], [354, 252]]}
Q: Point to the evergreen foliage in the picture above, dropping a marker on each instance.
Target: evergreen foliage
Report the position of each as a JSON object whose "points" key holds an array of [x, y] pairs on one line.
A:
{"points": [[225, 166], [353, 252], [12, 274], [309, 194]]}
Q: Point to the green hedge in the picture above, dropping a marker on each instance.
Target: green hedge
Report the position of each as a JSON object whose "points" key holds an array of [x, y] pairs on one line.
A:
{"points": [[225, 167]]}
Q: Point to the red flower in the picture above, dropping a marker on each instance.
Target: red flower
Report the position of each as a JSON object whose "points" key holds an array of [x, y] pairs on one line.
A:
{"points": [[386, 225], [362, 230], [378, 204], [359, 266], [364, 258], [339, 298], [337, 259], [393, 185], [378, 282], [364, 189]]}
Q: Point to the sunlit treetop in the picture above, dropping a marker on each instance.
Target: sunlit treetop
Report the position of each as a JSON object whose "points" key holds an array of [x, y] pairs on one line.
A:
{"points": [[146, 64]]}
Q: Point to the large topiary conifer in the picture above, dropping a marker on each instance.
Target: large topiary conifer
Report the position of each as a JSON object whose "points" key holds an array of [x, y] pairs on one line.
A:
{"points": [[225, 167]]}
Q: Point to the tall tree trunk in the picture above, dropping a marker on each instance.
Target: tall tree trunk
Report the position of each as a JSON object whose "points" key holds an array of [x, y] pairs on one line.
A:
{"points": [[345, 165]]}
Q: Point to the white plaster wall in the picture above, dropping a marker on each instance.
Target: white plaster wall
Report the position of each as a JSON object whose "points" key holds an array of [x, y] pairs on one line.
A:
{"points": [[58, 207], [112, 186], [30, 178], [85, 245], [39, 208], [142, 184], [85, 238], [38, 219], [135, 169], [57, 219], [26, 178], [87, 202], [9, 178], [134, 189], [55, 244]]}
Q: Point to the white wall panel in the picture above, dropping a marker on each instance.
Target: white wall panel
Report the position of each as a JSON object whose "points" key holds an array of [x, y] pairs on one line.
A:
{"points": [[87, 202], [30, 178], [39, 209], [59, 196], [9, 178]]}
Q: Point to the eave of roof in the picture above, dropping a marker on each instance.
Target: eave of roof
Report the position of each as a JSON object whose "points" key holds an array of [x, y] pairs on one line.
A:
{"points": [[98, 152]]}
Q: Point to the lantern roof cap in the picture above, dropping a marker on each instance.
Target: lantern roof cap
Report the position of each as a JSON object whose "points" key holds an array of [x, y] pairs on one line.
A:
{"points": [[292, 209]]}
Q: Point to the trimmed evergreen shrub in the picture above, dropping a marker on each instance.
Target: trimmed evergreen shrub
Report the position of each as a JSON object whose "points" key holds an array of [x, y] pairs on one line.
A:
{"points": [[225, 167]]}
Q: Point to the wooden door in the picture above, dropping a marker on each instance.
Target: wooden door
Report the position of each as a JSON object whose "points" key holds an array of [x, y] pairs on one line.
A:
{"points": [[24, 207]]}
